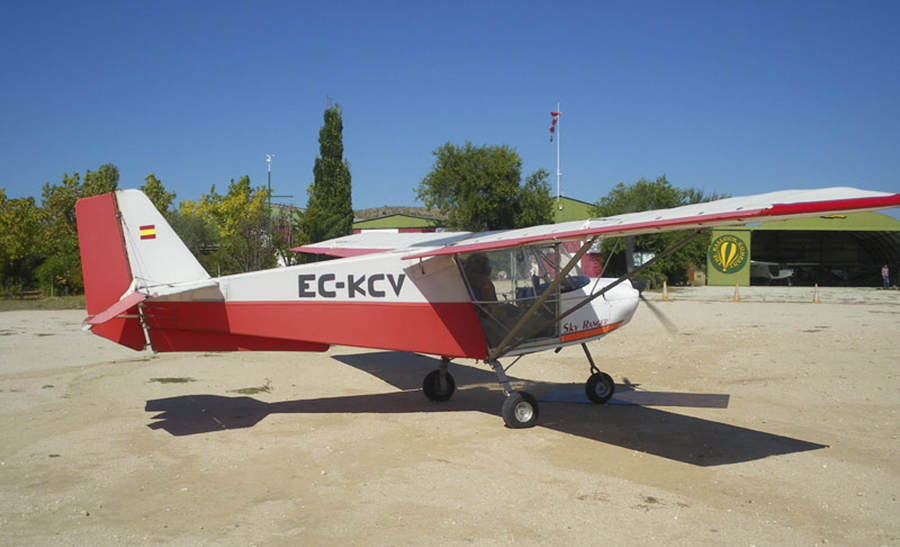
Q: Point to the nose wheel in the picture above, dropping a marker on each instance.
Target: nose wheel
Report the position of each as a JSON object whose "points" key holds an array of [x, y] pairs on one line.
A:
{"points": [[600, 387]]}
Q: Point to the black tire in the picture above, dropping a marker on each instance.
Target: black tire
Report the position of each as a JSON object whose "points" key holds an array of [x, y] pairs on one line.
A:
{"points": [[520, 410], [433, 389], [600, 388]]}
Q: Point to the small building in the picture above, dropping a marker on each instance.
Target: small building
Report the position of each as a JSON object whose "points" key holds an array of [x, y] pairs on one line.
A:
{"points": [[397, 223], [566, 209]]}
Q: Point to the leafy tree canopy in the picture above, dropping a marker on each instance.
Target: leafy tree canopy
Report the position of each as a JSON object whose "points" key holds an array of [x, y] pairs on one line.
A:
{"points": [[535, 206], [479, 189], [101, 181], [199, 235], [645, 195], [240, 218], [61, 270], [19, 237], [156, 192]]}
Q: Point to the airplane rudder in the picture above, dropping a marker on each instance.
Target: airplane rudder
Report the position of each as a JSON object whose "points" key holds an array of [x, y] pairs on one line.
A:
{"points": [[104, 263], [105, 268]]}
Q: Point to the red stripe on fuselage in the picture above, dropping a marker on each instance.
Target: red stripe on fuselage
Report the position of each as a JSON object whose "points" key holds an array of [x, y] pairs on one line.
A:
{"points": [[449, 329]]}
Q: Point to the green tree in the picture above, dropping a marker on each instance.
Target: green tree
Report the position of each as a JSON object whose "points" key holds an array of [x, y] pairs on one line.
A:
{"points": [[535, 206], [198, 233], [241, 219], [478, 188], [645, 195], [19, 242], [101, 181], [157, 193], [61, 271], [329, 211]]}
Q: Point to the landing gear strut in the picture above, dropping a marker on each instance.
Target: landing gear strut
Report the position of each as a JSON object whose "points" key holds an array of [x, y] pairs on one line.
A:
{"points": [[520, 409]]}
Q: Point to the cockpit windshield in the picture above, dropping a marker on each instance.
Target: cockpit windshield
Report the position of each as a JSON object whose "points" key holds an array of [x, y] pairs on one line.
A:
{"points": [[547, 262]]}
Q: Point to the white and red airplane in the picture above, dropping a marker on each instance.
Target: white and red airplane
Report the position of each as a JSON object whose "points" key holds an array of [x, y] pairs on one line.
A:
{"points": [[452, 295]]}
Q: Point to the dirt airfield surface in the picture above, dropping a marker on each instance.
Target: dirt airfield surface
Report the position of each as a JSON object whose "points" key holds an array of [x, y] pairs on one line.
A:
{"points": [[772, 421]]}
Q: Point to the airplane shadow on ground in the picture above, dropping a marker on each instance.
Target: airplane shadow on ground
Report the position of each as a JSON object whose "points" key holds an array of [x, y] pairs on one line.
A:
{"points": [[628, 421]]}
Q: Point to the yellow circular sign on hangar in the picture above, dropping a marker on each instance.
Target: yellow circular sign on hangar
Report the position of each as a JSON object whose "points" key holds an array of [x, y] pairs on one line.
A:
{"points": [[728, 253]]}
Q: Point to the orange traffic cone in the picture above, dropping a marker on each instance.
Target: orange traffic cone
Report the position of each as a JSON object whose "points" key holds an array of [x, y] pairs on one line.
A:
{"points": [[665, 297], [816, 294], [737, 294]]}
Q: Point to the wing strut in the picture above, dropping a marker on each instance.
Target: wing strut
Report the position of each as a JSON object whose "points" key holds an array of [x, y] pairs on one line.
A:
{"points": [[632, 273], [505, 346]]}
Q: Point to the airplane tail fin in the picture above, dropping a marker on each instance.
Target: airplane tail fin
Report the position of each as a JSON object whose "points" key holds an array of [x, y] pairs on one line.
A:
{"points": [[127, 249]]}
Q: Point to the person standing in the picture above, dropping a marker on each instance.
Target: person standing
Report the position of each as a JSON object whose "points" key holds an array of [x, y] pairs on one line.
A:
{"points": [[886, 276]]}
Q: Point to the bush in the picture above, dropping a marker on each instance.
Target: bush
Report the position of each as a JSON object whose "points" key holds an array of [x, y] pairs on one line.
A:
{"points": [[60, 275]]}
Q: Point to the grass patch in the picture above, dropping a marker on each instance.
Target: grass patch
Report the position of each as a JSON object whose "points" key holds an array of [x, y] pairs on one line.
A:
{"points": [[172, 380], [265, 388], [43, 303]]}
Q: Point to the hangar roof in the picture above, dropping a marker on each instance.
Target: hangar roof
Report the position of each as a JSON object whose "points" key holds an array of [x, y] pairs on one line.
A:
{"points": [[396, 221]]}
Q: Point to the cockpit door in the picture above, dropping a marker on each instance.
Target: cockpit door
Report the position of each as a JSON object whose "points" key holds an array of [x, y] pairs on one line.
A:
{"points": [[505, 284]]}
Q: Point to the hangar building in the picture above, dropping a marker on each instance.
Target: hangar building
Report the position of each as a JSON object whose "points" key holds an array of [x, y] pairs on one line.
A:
{"points": [[837, 250]]}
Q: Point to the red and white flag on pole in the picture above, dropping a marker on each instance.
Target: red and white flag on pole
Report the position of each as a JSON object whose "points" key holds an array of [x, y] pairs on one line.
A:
{"points": [[553, 121]]}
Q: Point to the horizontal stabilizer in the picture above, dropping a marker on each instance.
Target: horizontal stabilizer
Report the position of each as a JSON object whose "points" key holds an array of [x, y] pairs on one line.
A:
{"points": [[117, 309]]}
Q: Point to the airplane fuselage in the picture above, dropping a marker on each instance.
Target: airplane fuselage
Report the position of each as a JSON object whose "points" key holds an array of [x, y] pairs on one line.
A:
{"points": [[379, 301]]}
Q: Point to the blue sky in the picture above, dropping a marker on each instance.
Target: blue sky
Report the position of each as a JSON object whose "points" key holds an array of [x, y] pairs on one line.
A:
{"points": [[729, 96]]}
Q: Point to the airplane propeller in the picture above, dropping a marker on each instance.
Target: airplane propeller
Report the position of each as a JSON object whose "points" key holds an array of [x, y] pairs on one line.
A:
{"points": [[666, 322]]}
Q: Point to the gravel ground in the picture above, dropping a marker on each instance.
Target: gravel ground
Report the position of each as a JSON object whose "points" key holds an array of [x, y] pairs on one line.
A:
{"points": [[772, 421]]}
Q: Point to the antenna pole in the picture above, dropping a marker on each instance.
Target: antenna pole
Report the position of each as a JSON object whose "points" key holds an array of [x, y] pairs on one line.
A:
{"points": [[269, 194], [558, 172]]}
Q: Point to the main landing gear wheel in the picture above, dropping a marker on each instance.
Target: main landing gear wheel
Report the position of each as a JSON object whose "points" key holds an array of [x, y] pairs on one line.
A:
{"points": [[600, 388], [438, 389], [520, 410]]}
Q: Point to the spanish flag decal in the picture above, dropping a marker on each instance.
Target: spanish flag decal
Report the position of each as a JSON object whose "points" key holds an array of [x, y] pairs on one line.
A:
{"points": [[148, 232]]}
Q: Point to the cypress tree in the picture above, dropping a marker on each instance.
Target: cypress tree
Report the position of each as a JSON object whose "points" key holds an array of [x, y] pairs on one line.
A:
{"points": [[329, 211]]}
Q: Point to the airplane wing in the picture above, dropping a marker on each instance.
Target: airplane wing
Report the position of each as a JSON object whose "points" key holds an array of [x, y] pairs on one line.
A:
{"points": [[726, 212], [379, 242]]}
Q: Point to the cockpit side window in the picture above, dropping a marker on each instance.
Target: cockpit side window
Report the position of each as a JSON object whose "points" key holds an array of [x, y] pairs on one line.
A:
{"points": [[504, 284]]}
